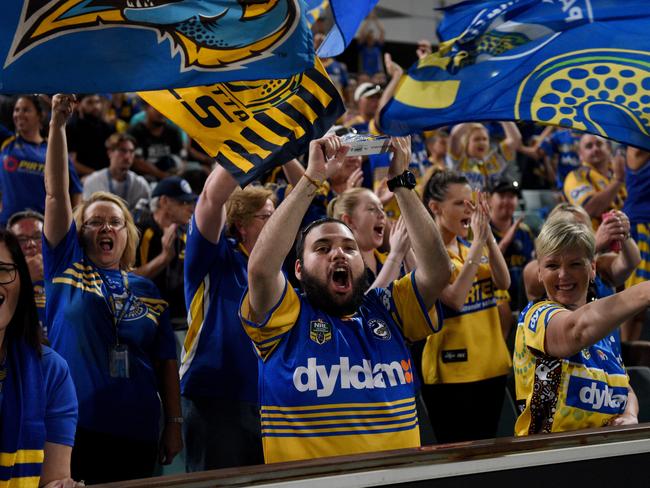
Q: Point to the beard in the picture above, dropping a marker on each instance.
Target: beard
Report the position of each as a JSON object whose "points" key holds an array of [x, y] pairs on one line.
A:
{"points": [[323, 299]]}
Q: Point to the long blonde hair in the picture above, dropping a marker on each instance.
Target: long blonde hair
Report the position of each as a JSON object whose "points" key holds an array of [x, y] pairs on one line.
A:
{"points": [[132, 235]]}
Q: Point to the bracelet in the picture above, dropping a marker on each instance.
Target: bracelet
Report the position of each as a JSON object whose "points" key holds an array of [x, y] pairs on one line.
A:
{"points": [[314, 182], [471, 261], [174, 420]]}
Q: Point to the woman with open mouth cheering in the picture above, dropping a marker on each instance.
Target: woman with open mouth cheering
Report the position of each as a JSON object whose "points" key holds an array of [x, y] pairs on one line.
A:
{"points": [[110, 325]]}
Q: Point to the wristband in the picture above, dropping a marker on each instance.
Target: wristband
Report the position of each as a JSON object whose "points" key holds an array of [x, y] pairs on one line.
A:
{"points": [[313, 181], [174, 420], [471, 261]]}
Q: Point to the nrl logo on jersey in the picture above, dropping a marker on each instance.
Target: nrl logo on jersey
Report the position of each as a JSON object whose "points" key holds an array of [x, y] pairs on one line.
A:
{"points": [[320, 331]]}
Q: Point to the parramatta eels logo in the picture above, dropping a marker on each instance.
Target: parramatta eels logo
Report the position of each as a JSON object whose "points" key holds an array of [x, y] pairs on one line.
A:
{"points": [[582, 89], [209, 34]]}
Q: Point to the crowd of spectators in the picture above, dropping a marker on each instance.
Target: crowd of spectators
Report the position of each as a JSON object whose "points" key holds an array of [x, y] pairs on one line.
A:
{"points": [[129, 237]]}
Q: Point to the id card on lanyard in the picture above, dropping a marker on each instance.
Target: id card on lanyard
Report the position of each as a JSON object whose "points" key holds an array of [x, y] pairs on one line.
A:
{"points": [[119, 300]]}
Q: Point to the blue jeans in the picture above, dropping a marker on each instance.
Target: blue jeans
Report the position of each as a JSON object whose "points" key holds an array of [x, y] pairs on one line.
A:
{"points": [[220, 433]]}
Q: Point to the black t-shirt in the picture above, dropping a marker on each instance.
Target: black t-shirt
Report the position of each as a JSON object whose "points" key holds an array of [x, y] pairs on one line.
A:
{"points": [[157, 149], [87, 137], [170, 280]]}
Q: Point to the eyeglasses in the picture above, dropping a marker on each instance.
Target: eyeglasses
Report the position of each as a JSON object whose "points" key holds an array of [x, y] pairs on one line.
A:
{"points": [[25, 240], [114, 223], [263, 217], [8, 273]]}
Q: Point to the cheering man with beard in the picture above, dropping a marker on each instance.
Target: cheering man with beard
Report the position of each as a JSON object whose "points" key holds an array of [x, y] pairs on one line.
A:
{"points": [[336, 376]]}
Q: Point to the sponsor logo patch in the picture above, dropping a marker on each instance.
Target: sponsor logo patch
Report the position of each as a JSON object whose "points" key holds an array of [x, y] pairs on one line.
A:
{"points": [[320, 331]]}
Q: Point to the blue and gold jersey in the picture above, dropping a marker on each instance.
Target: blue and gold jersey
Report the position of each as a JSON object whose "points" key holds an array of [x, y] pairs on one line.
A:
{"points": [[564, 145], [218, 359], [583, 183], [585, 390], [22, 177], [470, 347], [82, 330], [480, 173], [331, 386]]}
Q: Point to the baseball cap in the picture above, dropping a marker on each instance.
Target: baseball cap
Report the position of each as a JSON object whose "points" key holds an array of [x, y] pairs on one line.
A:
{"points": [[505, 184], [175, 187], [366, 89]]}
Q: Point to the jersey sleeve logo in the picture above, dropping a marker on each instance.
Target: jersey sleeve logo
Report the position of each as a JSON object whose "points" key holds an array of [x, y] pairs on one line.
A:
{"points": [[380, 329], [320, 331]]}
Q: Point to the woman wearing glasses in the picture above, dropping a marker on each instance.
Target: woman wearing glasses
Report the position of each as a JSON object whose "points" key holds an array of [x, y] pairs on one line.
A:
{"points": [[110, 325], [38, 405]]}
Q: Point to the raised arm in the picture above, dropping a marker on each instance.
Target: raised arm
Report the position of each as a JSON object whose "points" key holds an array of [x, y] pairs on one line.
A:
{"points": [[455, 145], [58, 207], [513, 136], [395, 72], [434, 267], [569, 332], [265, 279], [498, 265], [210, 214], [616, 267], [600, 202]]}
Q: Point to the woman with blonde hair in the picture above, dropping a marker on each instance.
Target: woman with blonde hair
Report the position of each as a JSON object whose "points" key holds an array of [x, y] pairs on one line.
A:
{"points": [[471, 153], [364, 213], [110, 325], [568, 373], [612, 268]]}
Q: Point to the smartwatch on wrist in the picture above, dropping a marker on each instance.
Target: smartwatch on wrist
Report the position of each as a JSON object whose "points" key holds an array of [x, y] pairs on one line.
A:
{"points": [[405, 180]]}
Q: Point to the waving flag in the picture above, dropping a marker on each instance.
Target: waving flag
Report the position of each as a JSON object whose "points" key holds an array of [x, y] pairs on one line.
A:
{"points": [[581, 64], [251, 127], [129, 45], [347, 17]]}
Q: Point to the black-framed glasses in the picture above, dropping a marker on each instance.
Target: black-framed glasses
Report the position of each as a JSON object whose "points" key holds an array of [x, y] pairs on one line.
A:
{"points": [[95, 223], [37, 239], [8, 273]]}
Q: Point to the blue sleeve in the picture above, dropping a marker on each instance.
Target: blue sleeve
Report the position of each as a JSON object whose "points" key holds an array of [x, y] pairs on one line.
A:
{"points": [[61, 407], [201, 256], [56, 259], [75, 182]]}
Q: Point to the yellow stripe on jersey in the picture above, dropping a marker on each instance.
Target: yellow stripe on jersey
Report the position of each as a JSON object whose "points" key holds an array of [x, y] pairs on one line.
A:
{"points": [[26, 482], [334, 406], [78, 284], [7, 141], [195, 318], [144, 246], [414, 323], [21, 456], [280, 320]]}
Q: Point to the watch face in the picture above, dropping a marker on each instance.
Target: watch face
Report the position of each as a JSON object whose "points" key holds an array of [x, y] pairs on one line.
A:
{"points": [[409, 179]]}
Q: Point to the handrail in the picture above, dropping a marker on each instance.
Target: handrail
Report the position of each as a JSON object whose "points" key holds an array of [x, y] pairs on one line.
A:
{"points": [[436, 455]]}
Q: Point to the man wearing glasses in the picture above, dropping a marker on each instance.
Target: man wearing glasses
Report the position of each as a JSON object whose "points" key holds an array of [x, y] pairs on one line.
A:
{"points": [[27, 226]]}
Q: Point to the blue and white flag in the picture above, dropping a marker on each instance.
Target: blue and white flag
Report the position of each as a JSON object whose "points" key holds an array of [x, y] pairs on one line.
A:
{"points": [[581, 64], [129, 45], [347, 17]]}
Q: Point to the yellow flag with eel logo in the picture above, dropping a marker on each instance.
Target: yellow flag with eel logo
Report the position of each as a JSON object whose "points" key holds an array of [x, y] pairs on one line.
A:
{"points": [[253, 126]]}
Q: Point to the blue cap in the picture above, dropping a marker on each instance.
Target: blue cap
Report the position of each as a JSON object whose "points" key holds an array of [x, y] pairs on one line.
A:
{"points": [[175, 187]]}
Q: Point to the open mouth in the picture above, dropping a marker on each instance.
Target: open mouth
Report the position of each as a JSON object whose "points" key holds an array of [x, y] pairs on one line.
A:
{"points": [[466, 223], [106, 244], [341, 279], [379, 231], [570, 287]]}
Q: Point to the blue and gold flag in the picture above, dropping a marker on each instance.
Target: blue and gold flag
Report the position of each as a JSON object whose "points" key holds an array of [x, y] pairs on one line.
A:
{"points": [[128, 45], [251, 127], [581, 64]]}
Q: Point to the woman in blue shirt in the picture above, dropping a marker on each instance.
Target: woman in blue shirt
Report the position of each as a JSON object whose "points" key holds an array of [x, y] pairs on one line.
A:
{"points": [[23, 162], [110, 325], [38, 405]]}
